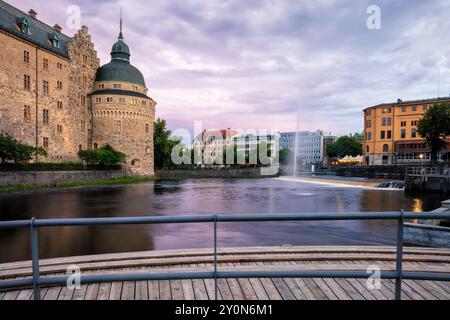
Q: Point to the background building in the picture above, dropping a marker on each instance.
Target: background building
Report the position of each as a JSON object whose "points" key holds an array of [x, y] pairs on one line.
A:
{"points": [[390, 132], [54, 95], [311, 146]]}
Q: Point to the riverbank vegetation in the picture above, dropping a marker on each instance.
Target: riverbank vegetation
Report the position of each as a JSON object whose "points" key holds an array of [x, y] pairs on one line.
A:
{"points": [[115, 181], [13, 151]]}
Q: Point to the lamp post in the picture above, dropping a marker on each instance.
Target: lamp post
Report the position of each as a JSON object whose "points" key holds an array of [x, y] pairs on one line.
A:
{"points": [[421, 156]]}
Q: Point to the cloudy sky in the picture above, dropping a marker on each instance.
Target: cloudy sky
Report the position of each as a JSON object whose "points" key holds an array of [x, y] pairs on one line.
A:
{"points": [[266, 63]]}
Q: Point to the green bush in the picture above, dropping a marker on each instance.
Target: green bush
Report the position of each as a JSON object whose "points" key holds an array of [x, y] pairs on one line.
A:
{"points": [[105, 156], [13, 150]]}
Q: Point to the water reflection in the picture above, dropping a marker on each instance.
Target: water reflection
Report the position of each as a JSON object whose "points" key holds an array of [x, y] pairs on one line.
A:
{"points": [[200, 197]]}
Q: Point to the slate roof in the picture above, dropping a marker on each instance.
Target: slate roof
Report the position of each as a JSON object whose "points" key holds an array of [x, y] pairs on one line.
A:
{"points": [[41, 33], [122, 71]]}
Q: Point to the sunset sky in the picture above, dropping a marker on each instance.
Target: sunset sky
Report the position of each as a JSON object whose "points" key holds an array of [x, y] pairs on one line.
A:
{"points": [[255, 63]]}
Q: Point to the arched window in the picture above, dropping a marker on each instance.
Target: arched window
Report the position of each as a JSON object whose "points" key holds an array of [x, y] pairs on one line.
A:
{"points": [[385, 148], [367, 149], [136, 163]]}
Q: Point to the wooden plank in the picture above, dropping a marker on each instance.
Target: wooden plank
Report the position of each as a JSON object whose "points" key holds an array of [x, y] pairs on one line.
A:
{"points": [[309, 295], [295, 289], [141, 290], [52, 293], [247, 289], [438, 295], [11, 295], [188, 289], [257, 286], [349, 289], [283, 289], [177, 289], [438, 289], [235, 289], [224, 290], [164, 290], [104, 291], [92, 291], [66, 293], [419, 290], [43, 292], [116, 291], [153, 290], [128, 290], [200, 289], [368, 294], [321, 289], [210, 289], [23, 295]]}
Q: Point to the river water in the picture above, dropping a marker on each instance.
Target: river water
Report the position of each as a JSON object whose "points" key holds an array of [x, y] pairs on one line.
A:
{"points": [[227, 196]]}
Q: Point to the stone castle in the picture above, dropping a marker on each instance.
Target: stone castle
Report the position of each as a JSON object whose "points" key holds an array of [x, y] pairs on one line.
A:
{"points": [[54, 93]]}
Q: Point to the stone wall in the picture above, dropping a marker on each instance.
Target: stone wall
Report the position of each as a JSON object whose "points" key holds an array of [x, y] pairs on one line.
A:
{"points": [[50, 178], [210, 173]]}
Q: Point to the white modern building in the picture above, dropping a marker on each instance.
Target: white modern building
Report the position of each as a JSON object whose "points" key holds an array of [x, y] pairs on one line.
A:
{"points": [[311, 146]]}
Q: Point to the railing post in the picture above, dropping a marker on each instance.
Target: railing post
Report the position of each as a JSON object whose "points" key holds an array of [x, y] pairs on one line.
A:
{"points": [[35, 260], [399, 259], [215, 257]]}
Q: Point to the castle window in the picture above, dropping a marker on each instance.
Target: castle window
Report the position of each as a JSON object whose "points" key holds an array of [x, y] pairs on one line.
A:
{"points": [[117, 126], [117, 86], [25, 26], [45, 116], [26, 57], [110, 99], [121, 100], [55, 41], [45, 88], [45, 142], [144, 103], [147, 128], [136, 163], [27, 113], [59, 85], [101, 86], [59, 66], [59, 128], [98, 100], [83, 100], [60, 104], [45, 64], [83, 125], [26, 82]]}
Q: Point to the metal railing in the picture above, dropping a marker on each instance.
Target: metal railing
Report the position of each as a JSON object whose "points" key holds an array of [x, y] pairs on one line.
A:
{"points": [[36, 281], [444, 171]]}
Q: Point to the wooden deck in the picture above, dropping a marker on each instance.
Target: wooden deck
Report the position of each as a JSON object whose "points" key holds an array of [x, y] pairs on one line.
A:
{"points": [[258, 258]]}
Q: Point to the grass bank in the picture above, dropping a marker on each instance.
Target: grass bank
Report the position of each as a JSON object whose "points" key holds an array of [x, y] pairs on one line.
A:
{"points": [[116, 181]]}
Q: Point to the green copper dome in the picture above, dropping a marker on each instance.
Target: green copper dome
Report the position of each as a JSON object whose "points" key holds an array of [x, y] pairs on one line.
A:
{"points": [[120, 69]]}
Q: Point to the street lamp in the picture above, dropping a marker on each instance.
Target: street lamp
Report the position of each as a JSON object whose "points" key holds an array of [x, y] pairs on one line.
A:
{"points": [[421, 156]]}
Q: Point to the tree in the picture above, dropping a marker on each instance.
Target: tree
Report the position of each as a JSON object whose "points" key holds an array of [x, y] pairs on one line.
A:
{"points": [[13, 150], [345, 146], [105, 156], [285, 156], [163, 145], [434, 126]]}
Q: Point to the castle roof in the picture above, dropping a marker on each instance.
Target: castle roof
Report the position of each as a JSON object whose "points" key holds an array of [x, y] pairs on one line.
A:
{"points": [[120, 69], [12, 20]]}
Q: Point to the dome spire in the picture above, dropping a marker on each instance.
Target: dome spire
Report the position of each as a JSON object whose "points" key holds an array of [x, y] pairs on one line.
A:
{"points": [[120, 34], [120, 50]]}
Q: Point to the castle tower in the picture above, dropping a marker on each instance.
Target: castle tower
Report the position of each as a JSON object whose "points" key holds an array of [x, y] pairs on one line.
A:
{"points": [[123, 114]]}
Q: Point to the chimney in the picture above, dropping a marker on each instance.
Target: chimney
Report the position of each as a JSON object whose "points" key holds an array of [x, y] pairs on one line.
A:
{"points": [[57, 28], [32, 13]]}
